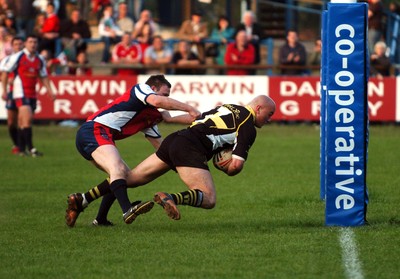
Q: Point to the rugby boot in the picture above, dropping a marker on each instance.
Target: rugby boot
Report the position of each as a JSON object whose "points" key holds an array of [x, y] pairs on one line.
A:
{"points": [[35, 153], [75, 207], [102, 224], [15, 150], [166, 201], [137, 209]]}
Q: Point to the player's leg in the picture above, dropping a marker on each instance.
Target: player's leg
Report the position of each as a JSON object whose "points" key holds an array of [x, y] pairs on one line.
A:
{"points": [[25, 115], [12, 123]]}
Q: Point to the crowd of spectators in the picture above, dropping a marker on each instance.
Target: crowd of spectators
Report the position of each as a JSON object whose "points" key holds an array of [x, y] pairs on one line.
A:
{"points": [[130, 41]]}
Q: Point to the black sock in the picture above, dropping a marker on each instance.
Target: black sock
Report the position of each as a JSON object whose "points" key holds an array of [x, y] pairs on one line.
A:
{"points": [[96, 192], [119, 188], [191, 197], [27, 134], [21, 140], [105, 206], [13, 132]]}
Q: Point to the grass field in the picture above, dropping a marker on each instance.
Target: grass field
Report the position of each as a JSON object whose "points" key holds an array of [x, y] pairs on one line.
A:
{"points": [[268, 222]]}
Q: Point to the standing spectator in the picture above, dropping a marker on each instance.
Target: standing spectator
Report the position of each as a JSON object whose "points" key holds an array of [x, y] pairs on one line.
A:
{"points": [[315, 57], [77, 67], [73, 32], [145, 18], [9, 23], [127, 52], [292, 53], [124, 22], [98, 7], [109, 31], [157, 53], [39, 21], [223, 32], [375, 24], [25, 16], [380, 63], [5, 43], [185, 57], [253, 30], [194, 30], [28, 67], [241, 52], [12, 111], [50, 30], [144, 37]]}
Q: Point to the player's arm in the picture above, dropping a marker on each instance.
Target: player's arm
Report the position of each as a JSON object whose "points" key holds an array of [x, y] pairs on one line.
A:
{"points": [[181, 119], [46, 83], [4, 81], [171, 104]]}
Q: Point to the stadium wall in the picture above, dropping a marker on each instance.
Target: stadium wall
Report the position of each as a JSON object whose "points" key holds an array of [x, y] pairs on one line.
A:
{"points": [[297, 98]]}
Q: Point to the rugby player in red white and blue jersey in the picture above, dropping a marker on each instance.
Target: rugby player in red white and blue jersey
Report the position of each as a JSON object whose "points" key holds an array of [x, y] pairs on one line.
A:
{"points": [[28, 67], [134, 111]]}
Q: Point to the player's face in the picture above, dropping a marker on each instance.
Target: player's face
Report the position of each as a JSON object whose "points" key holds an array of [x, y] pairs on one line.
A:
{"points": [[263, 115], [163, 91], [31, 45], [17, 45]]}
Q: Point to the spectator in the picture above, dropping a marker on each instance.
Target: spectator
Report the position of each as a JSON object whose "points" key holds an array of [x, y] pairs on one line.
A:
{"points": [[292, 53], [50, 30], [375, 24], [124, 22], [194, 31], [144, 37], [41, 5], [185, 57], [145, 17], [78, 67], [157, 53], [5, 43], [84, 8], [380, 63], [394, 7], [109, 31], [127, 52], [240, 52], [253, 30], [98, 7], [73, 32], [223, 32], [9, 23], [315, 57], [39, 21], [25, 16]]}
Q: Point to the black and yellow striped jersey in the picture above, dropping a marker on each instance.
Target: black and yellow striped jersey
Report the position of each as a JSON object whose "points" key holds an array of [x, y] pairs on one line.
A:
{"points": [[226, 126]]}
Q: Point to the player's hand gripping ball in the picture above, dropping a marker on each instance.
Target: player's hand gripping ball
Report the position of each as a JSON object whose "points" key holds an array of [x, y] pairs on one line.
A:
{"points": [[222, 159]]}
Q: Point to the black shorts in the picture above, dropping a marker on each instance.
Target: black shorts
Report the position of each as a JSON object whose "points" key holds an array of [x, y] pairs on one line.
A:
{"points": [[182, 151]]}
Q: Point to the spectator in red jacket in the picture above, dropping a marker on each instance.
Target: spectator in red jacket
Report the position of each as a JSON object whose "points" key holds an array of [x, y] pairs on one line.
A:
{"points": [[50, 30], [240, 52], [126, 53]]}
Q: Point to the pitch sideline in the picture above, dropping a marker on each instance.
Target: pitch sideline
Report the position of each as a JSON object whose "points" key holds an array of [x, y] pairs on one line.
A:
{"points": [[351, 263]]}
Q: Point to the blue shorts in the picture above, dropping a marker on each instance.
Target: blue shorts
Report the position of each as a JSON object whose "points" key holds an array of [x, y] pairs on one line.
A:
{"points": [[26, 102], [90, 136], [10, 103]]}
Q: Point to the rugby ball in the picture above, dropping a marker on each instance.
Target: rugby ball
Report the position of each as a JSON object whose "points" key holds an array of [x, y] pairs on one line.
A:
{"points": [[222, 159]]}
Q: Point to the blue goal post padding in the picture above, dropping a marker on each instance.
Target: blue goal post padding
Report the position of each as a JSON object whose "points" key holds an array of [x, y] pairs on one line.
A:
{"points": [[346, 126]]}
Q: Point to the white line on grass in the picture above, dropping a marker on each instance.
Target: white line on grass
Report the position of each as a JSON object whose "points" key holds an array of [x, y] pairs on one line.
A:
{"points": [[350, 259]]}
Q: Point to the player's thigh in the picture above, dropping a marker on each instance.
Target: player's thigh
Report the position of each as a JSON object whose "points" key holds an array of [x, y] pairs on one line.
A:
{"points": [[148, 170], [25, 115], [108, 158], [196, 178]]}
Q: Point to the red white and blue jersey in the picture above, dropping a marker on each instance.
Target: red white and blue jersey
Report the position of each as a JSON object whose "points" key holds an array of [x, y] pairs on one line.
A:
{"points": [[10, 75], [26, 71], [130, 113]]}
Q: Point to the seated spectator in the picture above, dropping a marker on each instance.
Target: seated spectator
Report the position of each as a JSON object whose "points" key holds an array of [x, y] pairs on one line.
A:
{"points": [[375, 22], [157, 53], [253, 30], [315, 57], [124, 22], [109, 31], [145, 18], [185, 57], [223, 32], [50, 30], [9, 23], [127, 52], [380, 63], [144, 37], [77, 67], [39, 21], [73, 31], [240, 52], [292, 53], [52, 63], [194, 30]]}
